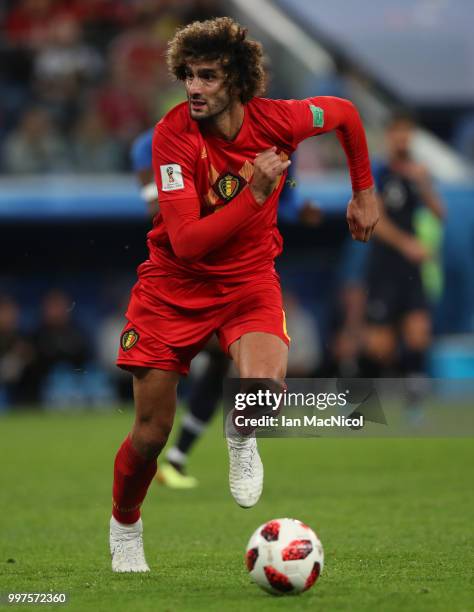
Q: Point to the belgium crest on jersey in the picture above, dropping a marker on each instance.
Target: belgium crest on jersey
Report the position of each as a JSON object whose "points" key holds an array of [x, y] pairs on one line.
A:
{"points": [[228, 185], [128, 339]]}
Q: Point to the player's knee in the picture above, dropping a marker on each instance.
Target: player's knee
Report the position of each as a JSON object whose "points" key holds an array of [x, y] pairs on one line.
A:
{"points": [[267, 390], [153, 442], [274, 373], [152, 435], [275, 378]]}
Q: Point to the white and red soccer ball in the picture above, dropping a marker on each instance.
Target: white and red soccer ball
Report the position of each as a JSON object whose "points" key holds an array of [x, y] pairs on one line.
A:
{"points": [[284, 556]]}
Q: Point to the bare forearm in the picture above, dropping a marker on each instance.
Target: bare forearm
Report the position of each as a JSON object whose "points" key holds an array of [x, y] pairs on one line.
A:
{"points": [[407, 244], [389, 233], [432, 200]]}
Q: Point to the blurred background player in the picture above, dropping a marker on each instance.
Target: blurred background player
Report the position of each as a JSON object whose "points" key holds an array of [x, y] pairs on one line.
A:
{"points": [[60, 345], [399, 322], [347, 318]]}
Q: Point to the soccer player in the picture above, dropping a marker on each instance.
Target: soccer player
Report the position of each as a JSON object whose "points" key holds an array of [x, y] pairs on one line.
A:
{"points": [[220, 161], [397, 308], [206, 391]]}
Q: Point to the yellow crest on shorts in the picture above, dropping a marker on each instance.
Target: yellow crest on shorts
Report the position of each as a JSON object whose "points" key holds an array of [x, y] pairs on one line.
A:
{"points": [[129, 338]]}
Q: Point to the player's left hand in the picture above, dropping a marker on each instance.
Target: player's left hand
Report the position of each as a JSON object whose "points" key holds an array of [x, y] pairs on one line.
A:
{"points": [[363, 214]]}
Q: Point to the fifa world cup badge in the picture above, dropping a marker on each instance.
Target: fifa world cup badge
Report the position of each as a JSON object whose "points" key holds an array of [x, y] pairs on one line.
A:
{"points": [[171, 177]]}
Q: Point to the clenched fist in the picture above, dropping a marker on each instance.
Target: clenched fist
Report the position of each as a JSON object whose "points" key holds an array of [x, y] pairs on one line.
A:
{"points": [[267, 167], [362, 214]]}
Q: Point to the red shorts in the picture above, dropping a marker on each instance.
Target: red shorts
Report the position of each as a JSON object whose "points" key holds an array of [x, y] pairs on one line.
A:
{"points": [[171, 319]]}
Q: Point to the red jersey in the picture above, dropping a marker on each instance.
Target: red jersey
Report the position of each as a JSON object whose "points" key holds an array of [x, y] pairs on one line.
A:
{"points": [[210, 225]]}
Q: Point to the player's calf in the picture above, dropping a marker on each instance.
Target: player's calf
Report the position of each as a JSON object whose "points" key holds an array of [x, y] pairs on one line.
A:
{"points": [[135, 464], [261, 359]]}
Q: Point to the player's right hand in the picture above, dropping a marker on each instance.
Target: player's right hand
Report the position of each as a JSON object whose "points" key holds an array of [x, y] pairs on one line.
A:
{"points": [[267, 168]]}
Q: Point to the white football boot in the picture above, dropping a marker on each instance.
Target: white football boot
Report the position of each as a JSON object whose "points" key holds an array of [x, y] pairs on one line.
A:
{"points": [[126, 547], [245, 466]]}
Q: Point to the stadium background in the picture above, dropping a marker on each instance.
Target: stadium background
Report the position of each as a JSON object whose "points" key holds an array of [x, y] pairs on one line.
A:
{"points": [[79, 81], [82, 80]]}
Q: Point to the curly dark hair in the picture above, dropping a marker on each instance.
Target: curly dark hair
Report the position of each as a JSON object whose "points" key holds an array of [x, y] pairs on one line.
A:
{"points": [[225, 40]]}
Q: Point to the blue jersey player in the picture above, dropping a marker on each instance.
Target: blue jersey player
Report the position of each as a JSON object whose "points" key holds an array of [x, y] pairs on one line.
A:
{"points": [[398, 317]]}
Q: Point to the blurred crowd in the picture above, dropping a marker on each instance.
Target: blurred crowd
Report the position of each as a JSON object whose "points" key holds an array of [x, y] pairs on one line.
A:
{"points": [[58, 363], [27, 360], [80, 80]]}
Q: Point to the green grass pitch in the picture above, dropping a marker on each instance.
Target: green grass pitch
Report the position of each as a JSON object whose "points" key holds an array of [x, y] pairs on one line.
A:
{"points": [[394, 516]]}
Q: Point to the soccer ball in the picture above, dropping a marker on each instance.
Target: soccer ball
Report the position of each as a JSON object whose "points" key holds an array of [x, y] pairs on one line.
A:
{"points": [[284, 556]]}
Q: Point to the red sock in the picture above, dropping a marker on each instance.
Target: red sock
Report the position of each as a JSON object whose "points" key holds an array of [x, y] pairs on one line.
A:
{"points": [[132, 477]]}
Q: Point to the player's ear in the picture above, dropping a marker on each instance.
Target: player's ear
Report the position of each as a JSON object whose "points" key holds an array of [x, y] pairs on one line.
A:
{"points": [[233, 89], [235, 93]]}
